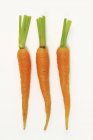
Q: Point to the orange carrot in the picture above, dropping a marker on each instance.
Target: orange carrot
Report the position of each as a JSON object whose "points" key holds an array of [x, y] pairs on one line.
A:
{"points": [[24, 62], [63, 67], [42, 62]]}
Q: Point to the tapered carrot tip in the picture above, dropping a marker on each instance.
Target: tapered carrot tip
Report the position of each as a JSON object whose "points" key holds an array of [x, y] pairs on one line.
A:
{"points": [[66, 121], [47, 120], [24, 124]]}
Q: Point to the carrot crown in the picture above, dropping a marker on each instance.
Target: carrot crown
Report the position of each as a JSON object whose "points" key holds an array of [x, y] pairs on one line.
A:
{"points": [[41, 31], [23, 30], [66, 27]]}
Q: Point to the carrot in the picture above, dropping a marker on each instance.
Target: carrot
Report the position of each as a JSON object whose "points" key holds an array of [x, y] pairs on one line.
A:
{"points": [[24, 62], [63, 55], [42, 62]]}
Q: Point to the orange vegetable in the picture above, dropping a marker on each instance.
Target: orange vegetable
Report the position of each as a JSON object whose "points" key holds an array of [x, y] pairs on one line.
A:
{"points": [[42, 62], [24, 62], [63, 55]]}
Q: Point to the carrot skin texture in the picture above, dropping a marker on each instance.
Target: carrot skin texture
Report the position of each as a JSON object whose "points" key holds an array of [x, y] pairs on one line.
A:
{"points": [[63, 68], [42, 62], [24, 62]]}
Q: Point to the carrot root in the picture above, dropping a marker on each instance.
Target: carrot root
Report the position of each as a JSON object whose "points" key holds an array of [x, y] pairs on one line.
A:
{"points": [[25, 72], [42, 61], [63, 67]]}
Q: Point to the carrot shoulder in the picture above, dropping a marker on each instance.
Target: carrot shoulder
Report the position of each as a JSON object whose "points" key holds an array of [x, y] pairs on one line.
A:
{"points": [[24, 62], [63, 58], [42, 62]]}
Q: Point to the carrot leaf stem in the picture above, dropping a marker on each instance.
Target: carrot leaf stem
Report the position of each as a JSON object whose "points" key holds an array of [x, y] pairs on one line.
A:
{"points": [[41, 31], [23, 30], [66, 28]]}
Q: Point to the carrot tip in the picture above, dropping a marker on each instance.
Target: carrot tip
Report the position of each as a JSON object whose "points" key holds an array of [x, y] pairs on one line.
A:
{"points": [[24, 124], [45, 127], [67, 127], [47, 120], [66, 123]]}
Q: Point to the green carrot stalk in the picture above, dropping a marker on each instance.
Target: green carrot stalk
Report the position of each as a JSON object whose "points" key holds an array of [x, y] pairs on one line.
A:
{"points": [[23, 30], [41, 31], [66, 28]]}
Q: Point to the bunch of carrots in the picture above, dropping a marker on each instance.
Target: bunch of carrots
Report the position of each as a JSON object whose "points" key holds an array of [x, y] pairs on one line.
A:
{"points": [[42, 63]]}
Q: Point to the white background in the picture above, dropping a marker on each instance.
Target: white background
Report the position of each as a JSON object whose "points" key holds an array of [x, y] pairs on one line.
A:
{"points": [[80, 41]]}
